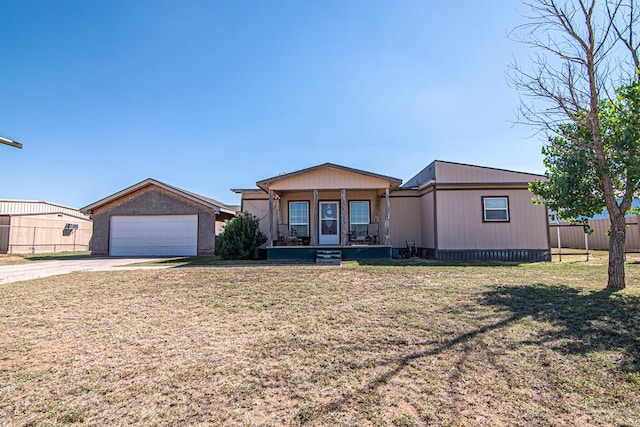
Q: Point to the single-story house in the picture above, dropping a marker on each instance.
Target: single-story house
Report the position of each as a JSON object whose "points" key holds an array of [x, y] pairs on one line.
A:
{"points": [[152, 218], [448, 211], [32, 227]]}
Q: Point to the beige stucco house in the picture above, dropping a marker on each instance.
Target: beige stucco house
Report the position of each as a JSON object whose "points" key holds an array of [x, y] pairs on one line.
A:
{"points": [[448, 211], [152, 218]]}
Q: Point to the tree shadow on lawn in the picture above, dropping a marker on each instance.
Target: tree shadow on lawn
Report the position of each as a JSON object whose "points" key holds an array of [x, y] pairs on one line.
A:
{"points": [[64, 256], [424, 262], [214, 261], [584, 323]]}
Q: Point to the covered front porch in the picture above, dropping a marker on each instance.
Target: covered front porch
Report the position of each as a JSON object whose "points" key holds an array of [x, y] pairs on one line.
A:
{"points": [[352, 221], [328, 208]]}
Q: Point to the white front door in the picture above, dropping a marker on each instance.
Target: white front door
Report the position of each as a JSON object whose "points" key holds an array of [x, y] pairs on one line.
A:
{"points": [[329, 227]]}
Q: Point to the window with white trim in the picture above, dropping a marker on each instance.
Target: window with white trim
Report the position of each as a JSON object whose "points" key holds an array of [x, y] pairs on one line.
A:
{"points": [[359, 217], [299, 219], [495, 209]]}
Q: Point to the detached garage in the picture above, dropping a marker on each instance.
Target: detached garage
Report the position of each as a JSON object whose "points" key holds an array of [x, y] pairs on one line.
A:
{"points": [[152, 218]]}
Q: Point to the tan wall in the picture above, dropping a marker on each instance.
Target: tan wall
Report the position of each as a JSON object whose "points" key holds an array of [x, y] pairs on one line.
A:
{"points": [[221, 221], [406, 221], [219, 227], [259, 207], [427, 208], [573, 237], [44, 234], [460, 223], [329, 179]]}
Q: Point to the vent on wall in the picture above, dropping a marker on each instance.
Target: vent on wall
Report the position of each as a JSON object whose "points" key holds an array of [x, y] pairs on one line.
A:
{"points": [[68, 229]]}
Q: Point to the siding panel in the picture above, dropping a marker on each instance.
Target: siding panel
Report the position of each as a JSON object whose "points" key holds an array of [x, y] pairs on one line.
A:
{"points": [[460, 223], [406, 221], [326, 179]]}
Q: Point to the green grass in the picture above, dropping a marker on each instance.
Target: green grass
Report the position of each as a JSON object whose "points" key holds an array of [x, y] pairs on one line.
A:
{"points": [[397, 345], [25, 259]]}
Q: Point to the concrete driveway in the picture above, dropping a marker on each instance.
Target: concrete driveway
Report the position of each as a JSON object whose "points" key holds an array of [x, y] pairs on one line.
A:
{"points": [[40, 269]]}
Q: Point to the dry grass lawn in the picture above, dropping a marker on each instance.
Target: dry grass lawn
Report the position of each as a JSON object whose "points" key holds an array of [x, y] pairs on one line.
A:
{"points": [[536, 344]]}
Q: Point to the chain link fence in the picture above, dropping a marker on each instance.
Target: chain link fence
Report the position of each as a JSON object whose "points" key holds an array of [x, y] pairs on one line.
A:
{"points": [[24, 239]]}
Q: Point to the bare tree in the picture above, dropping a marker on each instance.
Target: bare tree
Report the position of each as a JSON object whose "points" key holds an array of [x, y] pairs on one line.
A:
{"points": [[582, 50]]}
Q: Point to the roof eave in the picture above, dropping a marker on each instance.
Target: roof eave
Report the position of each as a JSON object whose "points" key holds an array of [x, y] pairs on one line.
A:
{"points": [[150, 181], [266, 183]]}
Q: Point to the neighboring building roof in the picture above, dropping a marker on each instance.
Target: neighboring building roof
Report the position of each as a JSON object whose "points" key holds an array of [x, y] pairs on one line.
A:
{"points": [[35, 207], [265, 183], [212, 203], [430, 174], [635, 204]]}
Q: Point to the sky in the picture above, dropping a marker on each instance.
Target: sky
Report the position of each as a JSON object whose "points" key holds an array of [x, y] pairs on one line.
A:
{"points": [[213, 95]]}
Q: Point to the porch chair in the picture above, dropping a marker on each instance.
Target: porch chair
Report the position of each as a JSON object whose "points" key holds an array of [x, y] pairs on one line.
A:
{"points": [[361, 238], [373, 231], [285, 238]]}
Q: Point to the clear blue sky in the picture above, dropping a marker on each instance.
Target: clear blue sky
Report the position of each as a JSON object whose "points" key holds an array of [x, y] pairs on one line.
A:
{"points": [[212, 95]]}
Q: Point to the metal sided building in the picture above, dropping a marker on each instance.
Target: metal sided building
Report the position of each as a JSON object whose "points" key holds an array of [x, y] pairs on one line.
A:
{"points": [[31, 227]]}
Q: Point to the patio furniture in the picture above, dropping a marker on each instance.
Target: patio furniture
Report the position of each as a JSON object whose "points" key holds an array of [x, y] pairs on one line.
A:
{"points": [[373, 231], [285, 237], [412, 250], [361, 239]]}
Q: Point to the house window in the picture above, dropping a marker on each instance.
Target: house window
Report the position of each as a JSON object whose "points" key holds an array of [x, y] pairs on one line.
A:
{"points": [[299, 218], [495, 209], [359, 217]]}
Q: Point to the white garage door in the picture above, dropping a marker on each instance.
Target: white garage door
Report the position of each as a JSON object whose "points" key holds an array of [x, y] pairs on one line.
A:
{"points": [[153, 235]]}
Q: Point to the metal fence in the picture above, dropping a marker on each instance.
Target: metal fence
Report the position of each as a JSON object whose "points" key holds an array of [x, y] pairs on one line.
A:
{"points": [[573, 236], [21, 239]]}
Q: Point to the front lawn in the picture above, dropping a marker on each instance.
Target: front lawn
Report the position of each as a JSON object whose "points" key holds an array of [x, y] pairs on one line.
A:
{"points": [[398, 345]]}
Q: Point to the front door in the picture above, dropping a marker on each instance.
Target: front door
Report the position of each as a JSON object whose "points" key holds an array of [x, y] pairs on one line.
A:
{"points": [[329, 227]]}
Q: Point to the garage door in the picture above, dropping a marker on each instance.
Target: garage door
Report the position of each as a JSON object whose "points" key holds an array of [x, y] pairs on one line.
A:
{"points": [[153, 235]]}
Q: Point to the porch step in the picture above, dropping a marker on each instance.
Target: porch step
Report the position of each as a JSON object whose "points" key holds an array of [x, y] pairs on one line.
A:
{"points": [[329, 257]]}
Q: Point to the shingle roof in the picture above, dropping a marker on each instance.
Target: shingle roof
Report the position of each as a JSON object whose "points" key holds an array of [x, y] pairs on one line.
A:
{"points": [[207, 201]]}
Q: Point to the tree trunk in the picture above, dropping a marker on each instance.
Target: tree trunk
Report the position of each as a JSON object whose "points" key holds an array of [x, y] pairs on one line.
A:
{"points": [[617, 237]]}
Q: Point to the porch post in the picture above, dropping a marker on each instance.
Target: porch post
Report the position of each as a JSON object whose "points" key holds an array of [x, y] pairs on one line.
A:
{"points": [[270, 218], [278, 207], [314, 222], [343, 217], [387, 217]]}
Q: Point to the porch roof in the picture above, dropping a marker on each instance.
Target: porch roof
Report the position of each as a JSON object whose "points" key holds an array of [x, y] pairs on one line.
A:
{"points": [[383, 181]]}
